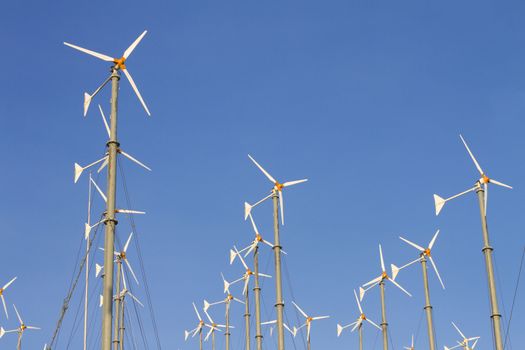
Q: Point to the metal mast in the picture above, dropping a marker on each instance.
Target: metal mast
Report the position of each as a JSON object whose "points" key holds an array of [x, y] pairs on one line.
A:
{"points": [[487, 252], [116, 335], [247, 317], [360, 330], [257, 294], [428, 307], [384, 324], [227, 333], [279, 305], [110, 222]]}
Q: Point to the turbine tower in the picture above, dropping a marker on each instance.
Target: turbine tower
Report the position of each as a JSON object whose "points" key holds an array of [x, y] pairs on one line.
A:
{"points": [[118, 64], [424, 254], [481, 188], [380, 281], [278, 202]]}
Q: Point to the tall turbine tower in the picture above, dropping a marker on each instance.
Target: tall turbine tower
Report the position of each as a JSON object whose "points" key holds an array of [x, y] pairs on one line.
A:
{"points": [[424, 254], [481, 188], [118, 64], [278, 202]]}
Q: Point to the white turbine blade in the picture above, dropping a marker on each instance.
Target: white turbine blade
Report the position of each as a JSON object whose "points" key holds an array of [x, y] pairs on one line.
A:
{"points": [[130, 79], [90, 52], [454, 347], [135, 298], [300, 310], [127, 242], [197, 312], [281, 205], [288, 329], [471, 155], [239, 301], [99, 190], [18, 315], [264, 275], [499, 183], [475, 343], [128, 211], [319, 318], [382, 260], [437, 272], [439, 203], [209, 333], [9, 283], [105, 121], [431, 244], [132, 47], [262, 169], [269, 322], [100, 300], [240, 258], [358, 303], [131, 270], [457, 329], [246, 281], [253, 224], [87, 101], [124, 280], [399, 286], [418, 247], [208, 316], [103, 165], [79, 169], [357, 324], [33, 327], [291, 183], [373, 323], [5, 307], [250, 248], [134, 160]]}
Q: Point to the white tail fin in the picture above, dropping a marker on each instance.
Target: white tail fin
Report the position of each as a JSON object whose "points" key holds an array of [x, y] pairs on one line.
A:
{"points": [[395, 271], [247, 210], [186, 335], [226, 286], [101, 301], [87, 101], [339, 329], [206, 305], [2, 332], [439, 202], [361, 293], [98, 268], [78, 171], [87, 230], [233, 254]]}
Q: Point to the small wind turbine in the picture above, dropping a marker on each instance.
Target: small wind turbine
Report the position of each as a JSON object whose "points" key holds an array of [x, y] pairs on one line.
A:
{"points": [[2, 294], [119, 64], [411, 347], [308, 323], [277, 189], [380, 281], [481, 189], [21, 329], [213, 327], [464, 343], [121, 256], [424, 254], [358, 323], [197, 329], [247, 274]]}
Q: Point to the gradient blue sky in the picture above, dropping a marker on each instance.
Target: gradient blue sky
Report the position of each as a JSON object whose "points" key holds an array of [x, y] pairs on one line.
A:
{"points": [[365, 98]]}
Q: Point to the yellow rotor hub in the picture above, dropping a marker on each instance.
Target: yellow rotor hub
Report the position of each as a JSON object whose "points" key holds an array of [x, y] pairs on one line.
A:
{"points": [[119, 62]]}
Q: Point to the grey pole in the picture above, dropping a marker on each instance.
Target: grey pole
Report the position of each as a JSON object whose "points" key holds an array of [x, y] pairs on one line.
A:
{"points": [[278, 281], [227, 333], [247, 318], [257, 294], [122, 328], [213, 339], [111, 222], [19, 342], [487, 251], [117, 305], [200, 339], [360, 336], [428, 307], [384, 324]]}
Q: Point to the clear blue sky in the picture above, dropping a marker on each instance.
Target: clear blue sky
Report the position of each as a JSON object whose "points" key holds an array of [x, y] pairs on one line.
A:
{"points": [[365, 98]]}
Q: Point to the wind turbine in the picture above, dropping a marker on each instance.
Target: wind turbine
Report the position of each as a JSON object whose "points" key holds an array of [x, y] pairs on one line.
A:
{"points": [[464, 343], [197, 329], [246, 277], [380, 281], [121, 297], [21, 329], [424, 254], [481, 189], [411, 347], [2, 290], [213, 327], [278, 201], [308, 323], [358, 323], [118, 64], [227, 301]]}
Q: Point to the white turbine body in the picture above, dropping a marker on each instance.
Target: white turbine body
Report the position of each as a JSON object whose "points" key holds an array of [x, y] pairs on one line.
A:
{"points": [[423, 252], [464, 343], [277, 187], [23, 326], [484, 180], [308, 323], [376, 281], [362, 317], [119, 63]]}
